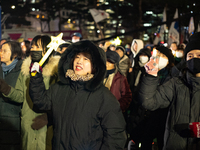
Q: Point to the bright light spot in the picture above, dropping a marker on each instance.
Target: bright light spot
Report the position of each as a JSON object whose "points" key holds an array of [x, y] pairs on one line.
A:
{"points": [[117, 41], [38, 16], [119, 16], [139, 144], [149, 12], [69, 21], [106, 3], [37, 10], [91, 27], [33, 9], [42, 16], [13, 6], [90, 31], [114, 22], [147, 24], [120, 24], [165, 44], [194, 4], [98, 31], [122, 31], [191, 12], [188, 6]]}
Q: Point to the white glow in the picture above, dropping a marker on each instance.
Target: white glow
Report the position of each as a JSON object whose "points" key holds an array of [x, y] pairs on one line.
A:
{"points": [[194, 4], [147, 24], [191, 12], [122, 31], [120, 24], [106, 3], [149, 12], [13, 6], [98, 31], [33, 9]]}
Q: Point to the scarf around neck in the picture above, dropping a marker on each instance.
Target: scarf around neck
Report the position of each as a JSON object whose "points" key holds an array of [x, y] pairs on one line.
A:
{"points": [[8, 68], [76, 77]]}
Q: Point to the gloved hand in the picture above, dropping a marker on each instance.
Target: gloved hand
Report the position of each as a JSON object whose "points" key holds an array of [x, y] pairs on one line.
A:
{"points": [[39, 122], [4, 87], [35, 67], [151, 67], [195, 129]]}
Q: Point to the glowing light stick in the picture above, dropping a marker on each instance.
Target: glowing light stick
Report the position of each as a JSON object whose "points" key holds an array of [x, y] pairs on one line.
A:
{"points": [[53, 45]]}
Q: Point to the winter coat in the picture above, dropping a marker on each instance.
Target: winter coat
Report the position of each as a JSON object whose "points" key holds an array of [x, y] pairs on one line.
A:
{"points": [[140, 45], [86, 115], [32, 139], [10, 114], [182, 95], [120, 89], [124, 65]]}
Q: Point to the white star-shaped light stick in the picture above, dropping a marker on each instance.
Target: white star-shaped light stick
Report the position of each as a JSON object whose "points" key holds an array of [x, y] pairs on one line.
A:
{"points": [[53, 45]]}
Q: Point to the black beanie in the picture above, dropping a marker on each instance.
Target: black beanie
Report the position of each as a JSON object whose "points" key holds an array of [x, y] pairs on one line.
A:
{"points": [[113, 56], [194, 43], [167, 52]]}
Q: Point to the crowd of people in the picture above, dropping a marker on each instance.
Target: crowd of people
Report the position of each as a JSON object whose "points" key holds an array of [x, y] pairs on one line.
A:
{"points": [[99, 97]]}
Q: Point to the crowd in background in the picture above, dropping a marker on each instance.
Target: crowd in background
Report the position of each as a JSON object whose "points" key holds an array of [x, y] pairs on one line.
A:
{"points": [[99, 96]]}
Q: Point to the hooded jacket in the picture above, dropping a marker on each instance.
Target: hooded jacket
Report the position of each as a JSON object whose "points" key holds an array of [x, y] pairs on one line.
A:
{"points": [[140, 45], [86, 115], [32, 139], [182, 95]]}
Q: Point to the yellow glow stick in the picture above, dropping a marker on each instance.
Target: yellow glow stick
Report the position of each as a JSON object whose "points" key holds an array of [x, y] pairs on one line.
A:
{"points": [[53, 45]]}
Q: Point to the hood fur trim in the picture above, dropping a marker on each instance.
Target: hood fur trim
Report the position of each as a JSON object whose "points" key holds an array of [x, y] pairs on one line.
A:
{"points": [[49, 69]]}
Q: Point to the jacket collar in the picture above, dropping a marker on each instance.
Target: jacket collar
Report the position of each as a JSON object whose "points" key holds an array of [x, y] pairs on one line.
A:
{"points": [[49, 69]]}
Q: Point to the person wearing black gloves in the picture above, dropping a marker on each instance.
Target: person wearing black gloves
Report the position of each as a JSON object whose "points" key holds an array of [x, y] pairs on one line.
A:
{"points": [[181, 94], [86, 115]]}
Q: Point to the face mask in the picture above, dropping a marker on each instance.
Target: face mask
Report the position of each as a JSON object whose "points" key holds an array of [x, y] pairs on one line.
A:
{"points": [[162, 63], [75, 40], [179, 54], [193, 65], [128, 49], [36, 56], [143, 59]]}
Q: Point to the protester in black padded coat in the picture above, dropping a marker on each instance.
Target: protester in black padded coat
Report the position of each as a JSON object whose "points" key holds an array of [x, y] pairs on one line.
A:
{"points": [[86, 116]]}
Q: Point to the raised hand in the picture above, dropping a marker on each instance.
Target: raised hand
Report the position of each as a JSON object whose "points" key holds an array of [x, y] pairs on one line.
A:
{"points": [[152, 66]]}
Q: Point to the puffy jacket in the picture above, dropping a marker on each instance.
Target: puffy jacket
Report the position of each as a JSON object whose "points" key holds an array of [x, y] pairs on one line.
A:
{"points": [[32, 139], [86, 115], [182, 95]]}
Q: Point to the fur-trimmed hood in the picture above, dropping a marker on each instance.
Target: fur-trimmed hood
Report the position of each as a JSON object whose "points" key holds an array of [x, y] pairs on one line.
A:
{"points": [[98, 61], [50, 69]]}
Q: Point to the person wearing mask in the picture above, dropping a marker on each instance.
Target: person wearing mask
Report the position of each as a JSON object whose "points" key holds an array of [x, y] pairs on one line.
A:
{"points": [[136, 46], [33, 125], [116, 82], [86, 115], [128, 49], [179, 54], [10, 111], [133, 129], [76, 37], [181, 94], [124, 63]]}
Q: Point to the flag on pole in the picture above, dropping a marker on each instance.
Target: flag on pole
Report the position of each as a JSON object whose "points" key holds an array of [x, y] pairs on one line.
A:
{"points": [[191, 26], [173, 35], [160, 35], [98, 15]]}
